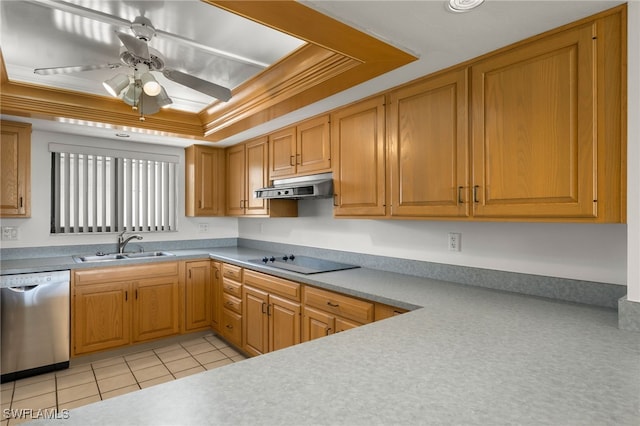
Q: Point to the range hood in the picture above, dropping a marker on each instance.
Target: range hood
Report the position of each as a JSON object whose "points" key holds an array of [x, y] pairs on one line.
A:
{"points": [[304, 187]]}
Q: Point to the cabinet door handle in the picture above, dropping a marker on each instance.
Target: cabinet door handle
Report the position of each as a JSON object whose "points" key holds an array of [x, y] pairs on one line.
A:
{"points": [[201, 204], [264, 308], [242, 204], [126, 295], [328, 330], [21, 205], [298, 159], [475, 193], [334, 200], [269, 310], [229, 326], [189, 273], [217, 273], [333, 305], [291, 163], [136, 294], [460, 200]]}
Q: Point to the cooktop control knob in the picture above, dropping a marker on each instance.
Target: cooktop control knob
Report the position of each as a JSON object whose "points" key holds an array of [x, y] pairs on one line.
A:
{"points": [[265, 259], [291, 257], [285, 258], [272, 259]]}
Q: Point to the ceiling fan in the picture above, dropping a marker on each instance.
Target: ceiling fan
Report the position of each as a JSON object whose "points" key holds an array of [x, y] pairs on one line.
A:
{"points": [[140, 89]]}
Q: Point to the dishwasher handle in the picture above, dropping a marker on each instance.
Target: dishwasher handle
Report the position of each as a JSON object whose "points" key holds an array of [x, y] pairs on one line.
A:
{"points": [[22, 289]]}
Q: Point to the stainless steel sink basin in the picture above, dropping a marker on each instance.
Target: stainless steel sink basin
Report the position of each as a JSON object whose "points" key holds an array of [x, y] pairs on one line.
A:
{"points": [[146, 254], [120, 256]]}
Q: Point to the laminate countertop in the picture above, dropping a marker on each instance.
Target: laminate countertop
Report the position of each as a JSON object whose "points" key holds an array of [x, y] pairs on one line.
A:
{"points": [[467, 356]]}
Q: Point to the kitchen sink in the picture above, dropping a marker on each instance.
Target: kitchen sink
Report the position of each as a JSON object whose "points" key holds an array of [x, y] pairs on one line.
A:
{"points": [[120, 256]]}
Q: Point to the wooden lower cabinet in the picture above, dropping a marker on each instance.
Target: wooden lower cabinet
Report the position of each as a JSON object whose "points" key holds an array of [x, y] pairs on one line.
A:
{"points": [[101, 317], [216, 296], [156, 308], [271, 313], [113, 307], [327, 312], [231, 325], [198, 295]]}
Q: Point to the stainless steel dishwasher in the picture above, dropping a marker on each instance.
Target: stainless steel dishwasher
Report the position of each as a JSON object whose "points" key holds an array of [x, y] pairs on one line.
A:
{"points": [[34, 316]]}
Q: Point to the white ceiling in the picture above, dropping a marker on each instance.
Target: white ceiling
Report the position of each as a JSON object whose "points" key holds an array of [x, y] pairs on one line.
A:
{"points": [[424, 28]]}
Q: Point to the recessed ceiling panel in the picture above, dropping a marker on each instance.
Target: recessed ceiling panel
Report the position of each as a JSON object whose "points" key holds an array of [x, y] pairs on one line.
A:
{"points": [[191, 37]]}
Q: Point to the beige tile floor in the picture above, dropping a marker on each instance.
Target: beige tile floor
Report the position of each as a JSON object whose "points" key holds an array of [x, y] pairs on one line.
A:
{"points": [[96, 379]]}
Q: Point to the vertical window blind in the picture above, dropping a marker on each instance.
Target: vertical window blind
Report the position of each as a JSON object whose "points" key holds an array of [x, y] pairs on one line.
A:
{"points": [[96, 190]]}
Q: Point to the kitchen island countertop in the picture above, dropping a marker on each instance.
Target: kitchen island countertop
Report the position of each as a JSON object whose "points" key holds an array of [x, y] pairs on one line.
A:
{"points": [[468, 356]]}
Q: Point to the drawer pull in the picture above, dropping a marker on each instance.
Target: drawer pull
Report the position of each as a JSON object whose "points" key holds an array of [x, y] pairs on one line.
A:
{"points": [[333, 305], [229, 326], [328, 331], [229, 304]]}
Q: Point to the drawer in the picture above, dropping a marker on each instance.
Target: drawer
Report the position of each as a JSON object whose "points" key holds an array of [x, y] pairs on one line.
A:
{"points": [[124, 273], [232, 287], [232, 327], [232, 271], [339, 304], [274, 285], [232, 303]]}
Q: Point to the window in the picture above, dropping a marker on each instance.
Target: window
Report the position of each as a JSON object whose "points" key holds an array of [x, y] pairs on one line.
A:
{"points": [[96, 190]]}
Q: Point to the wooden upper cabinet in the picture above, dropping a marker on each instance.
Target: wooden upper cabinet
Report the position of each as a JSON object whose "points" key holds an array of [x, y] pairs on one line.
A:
{"points": [[15, 161], [358, 149], [257, 176], [429, 147], [535, 129], [236, 180], [282, 153], [313, 154], [204, 181], [300, 150], [247, 170]]}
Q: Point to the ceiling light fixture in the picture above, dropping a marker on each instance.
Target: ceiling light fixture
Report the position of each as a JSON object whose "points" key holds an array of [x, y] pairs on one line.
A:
{"points": [[116, 84], [163, 99], [460, 6], [149, 84]]}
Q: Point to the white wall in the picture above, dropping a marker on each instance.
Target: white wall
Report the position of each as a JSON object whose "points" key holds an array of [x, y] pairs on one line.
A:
{"points": [[579, 251], [633, 152], [34, 231]]}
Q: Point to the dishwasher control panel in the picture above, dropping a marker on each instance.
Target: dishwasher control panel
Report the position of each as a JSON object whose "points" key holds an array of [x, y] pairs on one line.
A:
{"points": [[34, 278]]}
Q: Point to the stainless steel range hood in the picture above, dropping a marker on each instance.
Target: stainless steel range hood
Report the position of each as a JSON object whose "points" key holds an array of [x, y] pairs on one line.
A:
{"points": [[304, 187]]}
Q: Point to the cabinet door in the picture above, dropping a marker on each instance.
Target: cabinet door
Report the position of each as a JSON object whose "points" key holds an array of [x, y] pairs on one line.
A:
{"points": [[357, 136], [343, 324], [316, 324], [216, 296], [236, 180], [256, 176], [534, 133], [232, 327], [282, 153], [256, 322], [204, 181], [284, 323], [313, 152], [101, 317], [198, 295], [156, 308], [15, 163], [428, 148]]}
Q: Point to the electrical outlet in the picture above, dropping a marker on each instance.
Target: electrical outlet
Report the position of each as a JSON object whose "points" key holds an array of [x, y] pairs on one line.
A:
{"points": [[9, 233], [203, 227], [455, 241]]}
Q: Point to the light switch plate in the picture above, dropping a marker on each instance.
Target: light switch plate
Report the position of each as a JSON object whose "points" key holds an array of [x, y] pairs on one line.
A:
{"points": [[9, 233]]}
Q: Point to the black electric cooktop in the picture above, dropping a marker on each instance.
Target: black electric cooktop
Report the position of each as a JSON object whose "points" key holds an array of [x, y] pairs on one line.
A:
{"points": [[301, 264]]}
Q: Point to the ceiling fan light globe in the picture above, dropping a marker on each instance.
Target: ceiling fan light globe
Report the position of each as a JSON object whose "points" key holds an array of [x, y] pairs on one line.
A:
{"points": [[150, 86], [132, 95], [115, 85]]}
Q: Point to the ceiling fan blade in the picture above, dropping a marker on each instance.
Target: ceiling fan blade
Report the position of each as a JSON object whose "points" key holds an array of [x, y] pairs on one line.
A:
{"points": [[134, 45], [198, 84], [74, 68]]}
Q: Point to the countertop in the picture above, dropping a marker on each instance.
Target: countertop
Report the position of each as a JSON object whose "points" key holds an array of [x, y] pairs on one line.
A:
{"points": [[468, 356]]}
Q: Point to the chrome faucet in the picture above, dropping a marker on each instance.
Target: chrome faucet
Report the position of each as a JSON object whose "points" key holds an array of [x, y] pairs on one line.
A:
{"points": [[122, 242]]}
